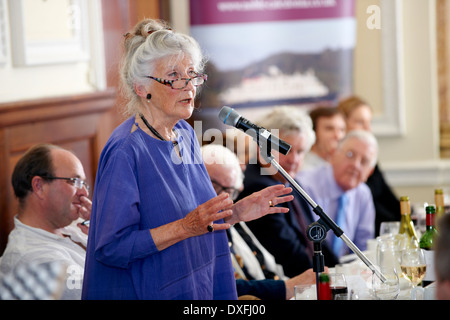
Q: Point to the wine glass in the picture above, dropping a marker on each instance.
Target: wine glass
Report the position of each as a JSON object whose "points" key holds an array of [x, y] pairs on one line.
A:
{"points": [[389, 227], [388, 289], [413, 265], [338, 284]]}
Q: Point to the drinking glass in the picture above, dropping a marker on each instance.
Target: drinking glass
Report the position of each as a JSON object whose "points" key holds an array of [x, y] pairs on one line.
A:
{"points": [[389, 250], [413, 265], [389, 227], [305, 292], [338, 284], [389, 289], [387, 255]]}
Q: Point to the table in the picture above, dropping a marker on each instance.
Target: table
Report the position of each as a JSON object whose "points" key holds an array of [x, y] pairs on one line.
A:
{"points": [[359, 277]]}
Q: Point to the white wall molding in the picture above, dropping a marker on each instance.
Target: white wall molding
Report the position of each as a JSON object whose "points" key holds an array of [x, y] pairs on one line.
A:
{"points": [[3, 33], [417, 174], [392, 121]]}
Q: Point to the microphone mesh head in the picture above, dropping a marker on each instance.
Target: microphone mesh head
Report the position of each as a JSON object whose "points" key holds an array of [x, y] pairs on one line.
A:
{"points": [[228, 116]]}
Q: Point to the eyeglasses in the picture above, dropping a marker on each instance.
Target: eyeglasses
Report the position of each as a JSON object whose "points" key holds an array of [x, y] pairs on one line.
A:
{"points": [[76, 182], [233, 192], [351, 155], [182, 83]]}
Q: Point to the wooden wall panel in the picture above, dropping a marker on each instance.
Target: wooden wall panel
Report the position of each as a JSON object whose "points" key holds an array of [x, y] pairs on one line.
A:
{"points": [[79, 123]]}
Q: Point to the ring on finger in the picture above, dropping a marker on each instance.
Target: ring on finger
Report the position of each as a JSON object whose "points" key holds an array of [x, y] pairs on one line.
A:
{"points": [[271, 203], [210, 228]]}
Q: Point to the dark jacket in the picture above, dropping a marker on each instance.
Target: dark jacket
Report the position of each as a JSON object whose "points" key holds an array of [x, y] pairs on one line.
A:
{"points": [[387, 204], [281, 234]]}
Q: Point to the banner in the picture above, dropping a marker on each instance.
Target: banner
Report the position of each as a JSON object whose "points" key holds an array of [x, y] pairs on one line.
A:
{"points": [[274, 52]]}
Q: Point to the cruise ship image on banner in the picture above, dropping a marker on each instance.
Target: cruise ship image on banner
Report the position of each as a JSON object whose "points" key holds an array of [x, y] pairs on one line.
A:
{"points": [[275, 87]]}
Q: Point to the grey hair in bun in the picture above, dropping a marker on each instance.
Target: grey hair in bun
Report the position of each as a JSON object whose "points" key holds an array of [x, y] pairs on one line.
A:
{"points": [[149, 41]]}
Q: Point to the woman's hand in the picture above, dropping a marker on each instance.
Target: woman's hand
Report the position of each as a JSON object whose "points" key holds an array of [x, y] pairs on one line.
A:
{"points": [[260, 203], [197, 221]]}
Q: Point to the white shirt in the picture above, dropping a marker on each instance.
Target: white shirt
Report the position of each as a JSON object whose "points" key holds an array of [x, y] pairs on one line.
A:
{"points": [[28, 245], [321, 186]]}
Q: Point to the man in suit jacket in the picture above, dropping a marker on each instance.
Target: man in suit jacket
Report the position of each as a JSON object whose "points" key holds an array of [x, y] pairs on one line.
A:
{"points": [[257, 272], [284, 235]]}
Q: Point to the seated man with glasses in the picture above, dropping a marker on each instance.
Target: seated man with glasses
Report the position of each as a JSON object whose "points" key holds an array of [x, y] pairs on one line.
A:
{"points": [[50, 226]]}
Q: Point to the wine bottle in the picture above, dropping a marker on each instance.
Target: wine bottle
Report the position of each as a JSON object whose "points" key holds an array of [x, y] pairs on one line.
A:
{"points": [[439, 200], [406, 225], [426, 243], [324, 287]]}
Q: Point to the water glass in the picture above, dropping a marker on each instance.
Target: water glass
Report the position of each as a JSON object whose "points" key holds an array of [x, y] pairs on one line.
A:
{"points": [[389, 250], [389, 227], [305, 292], [387, 255], [389, 289]]}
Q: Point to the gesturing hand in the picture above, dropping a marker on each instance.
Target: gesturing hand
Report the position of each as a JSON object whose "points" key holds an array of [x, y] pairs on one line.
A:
{"points": [[260, 203], [197, 221]]}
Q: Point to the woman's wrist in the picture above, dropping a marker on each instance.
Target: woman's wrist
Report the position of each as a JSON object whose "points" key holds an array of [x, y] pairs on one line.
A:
{"points": [[234, 218]]}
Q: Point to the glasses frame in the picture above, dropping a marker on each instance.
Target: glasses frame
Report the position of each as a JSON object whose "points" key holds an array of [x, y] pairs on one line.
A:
{"points": [[232, 191], [76, 182], [169, 83]]}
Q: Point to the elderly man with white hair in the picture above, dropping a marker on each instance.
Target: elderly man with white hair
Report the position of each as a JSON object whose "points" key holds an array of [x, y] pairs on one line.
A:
{"points": [[339, 188], [257, 273], [284, 235]]}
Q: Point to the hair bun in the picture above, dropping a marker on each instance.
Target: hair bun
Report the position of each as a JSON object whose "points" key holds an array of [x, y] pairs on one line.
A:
{"points": [[148, 26]]}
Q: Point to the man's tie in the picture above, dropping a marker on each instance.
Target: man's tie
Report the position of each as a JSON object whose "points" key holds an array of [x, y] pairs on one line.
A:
{"points": [[340, 220]]}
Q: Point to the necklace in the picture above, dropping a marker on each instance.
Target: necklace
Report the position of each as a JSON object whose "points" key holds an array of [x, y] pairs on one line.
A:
{"points": [[153, 130]]}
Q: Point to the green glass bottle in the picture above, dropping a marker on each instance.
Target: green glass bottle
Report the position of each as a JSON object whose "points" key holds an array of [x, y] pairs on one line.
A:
{"points": [[406, 224], [426, 243]]}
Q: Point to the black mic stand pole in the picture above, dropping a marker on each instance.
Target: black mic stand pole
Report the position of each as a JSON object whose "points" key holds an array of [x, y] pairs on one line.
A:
{"points": [[316, 233], [325, 221]]}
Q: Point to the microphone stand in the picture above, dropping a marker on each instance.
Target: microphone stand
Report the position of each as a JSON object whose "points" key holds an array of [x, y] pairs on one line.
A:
{"points": [[317, 230]]}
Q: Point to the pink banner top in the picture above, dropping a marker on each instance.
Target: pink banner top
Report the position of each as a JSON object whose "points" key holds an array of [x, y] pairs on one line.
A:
{"points": [[204, 12]]}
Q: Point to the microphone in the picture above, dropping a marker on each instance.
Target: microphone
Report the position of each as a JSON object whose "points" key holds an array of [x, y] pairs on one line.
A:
{"points": [[259, 134]]}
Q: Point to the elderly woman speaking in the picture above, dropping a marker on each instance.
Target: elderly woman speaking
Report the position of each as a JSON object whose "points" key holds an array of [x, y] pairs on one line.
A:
{"points": [[157, 227]]}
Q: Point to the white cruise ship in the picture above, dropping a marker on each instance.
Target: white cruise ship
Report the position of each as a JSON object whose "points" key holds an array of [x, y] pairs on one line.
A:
{"points": [[275, 87]]}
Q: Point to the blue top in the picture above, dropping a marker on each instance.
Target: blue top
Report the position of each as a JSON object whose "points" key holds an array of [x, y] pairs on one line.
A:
{"points": [[320, 185], [142, 184]]}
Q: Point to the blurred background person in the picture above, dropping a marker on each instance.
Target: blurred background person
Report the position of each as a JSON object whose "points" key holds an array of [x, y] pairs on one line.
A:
{"points": [[358, 116], [259, 274], [284, 235], [358, 113], [49, 183], [329, 127], [339, 189]]}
